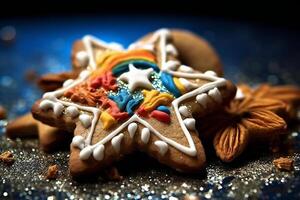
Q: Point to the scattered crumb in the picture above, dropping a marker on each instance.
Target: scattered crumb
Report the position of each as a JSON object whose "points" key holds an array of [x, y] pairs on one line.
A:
{"points": [[191, 197], [2, 113], [113, 174], [282, 163], [7, 157], [52, 172]]}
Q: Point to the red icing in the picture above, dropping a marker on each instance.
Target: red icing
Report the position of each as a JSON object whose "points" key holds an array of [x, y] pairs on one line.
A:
{"points": [[115, 111], [142, 112], [160, 116], [106, 81]]}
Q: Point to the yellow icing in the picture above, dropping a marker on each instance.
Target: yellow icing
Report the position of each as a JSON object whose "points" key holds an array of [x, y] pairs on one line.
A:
{"points": [[107, 120], [153, 98], [179, 85]]}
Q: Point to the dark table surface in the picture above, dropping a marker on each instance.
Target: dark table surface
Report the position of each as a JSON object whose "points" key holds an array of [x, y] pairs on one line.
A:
{"points": [[251, 53]]}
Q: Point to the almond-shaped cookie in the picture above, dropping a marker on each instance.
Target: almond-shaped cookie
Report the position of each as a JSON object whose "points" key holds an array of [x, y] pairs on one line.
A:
{"points": [[141, 98]]}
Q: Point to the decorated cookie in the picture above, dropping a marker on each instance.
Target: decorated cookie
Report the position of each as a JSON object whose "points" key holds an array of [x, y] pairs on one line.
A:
{"points": [[192, 50], [141, 98]]}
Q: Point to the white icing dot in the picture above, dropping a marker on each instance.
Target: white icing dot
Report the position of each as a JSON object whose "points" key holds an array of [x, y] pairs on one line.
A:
{"points": [[58, 108], [46, 104], [98, 152], [187, 84], [78, 141], [202, 99], [184, 68], [171, 49], [145, 135], [116, 142], [72, 111], [190, 123], [164, 32], [68, 82], [215, 94], [83, 58], [116, 46], [184, 111], [210, 73], [50, 96], [162, 146], [239, 94], [85, 119], [85, 153], [170, 65], [84, 74], [132, 129]]}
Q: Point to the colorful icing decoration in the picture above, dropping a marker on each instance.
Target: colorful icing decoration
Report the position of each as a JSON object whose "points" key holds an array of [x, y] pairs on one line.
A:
{"points": [[117, 62], [106, 81], [164, 109], [107, 120], [181, 87], [137, 78], [168, 82], [153, 99], [125, 101], [160, 116]]}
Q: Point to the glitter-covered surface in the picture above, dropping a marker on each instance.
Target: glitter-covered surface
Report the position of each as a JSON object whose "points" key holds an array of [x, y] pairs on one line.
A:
{"points": [[249, 52]]}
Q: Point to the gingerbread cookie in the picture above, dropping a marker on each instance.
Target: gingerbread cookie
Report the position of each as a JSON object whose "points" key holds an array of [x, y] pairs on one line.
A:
{"points": [[192, 50], [141, 98]]}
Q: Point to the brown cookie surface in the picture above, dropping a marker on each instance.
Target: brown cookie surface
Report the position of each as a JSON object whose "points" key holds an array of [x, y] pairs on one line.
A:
{"points": [[140, 99], [194, 51]]}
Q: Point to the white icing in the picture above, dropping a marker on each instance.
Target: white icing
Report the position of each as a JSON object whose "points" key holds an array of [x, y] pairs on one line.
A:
{"points": [[90, 40], [145, 135], [171, 49], [184, 68], [86, 120], [46, 104], [72, 111], [137, 78], [141, 45], [68, 82], [98, 152], [187, 84], [184, 111], [171, 65], [210, 73], [132, 127], [162, 147], [85, 153], [78, 141], [58, 108], [116, 46], [215, 94], [116, 142], [202, 99], [190, 123], [83, 58], [239, 94]]}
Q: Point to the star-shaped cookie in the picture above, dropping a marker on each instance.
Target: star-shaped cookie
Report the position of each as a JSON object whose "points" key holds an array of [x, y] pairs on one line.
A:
{"points": [[140, 98]]}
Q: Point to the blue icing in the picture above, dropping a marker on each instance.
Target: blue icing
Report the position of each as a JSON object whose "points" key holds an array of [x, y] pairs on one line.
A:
{"points": [[131, 105], [121, 98], [168, 82], [125, 101], [140, 64], [164, 109]]}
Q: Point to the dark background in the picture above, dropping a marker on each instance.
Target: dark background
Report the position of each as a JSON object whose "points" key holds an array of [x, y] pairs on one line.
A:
{"points": [[280, 13]]}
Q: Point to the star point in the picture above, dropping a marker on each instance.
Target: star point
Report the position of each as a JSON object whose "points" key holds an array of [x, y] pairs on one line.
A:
{"points": [[137, 78]]}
